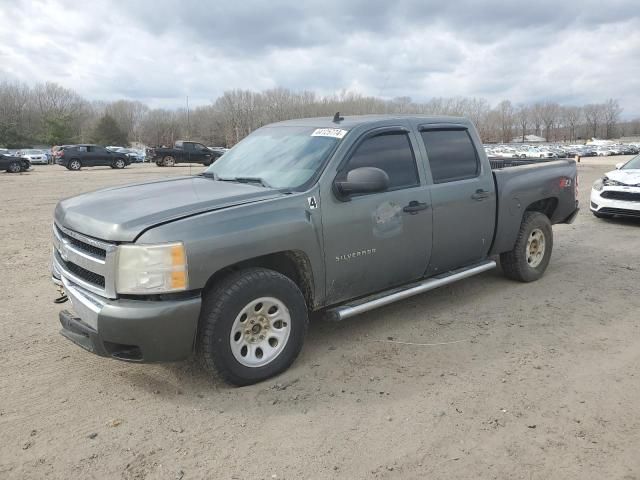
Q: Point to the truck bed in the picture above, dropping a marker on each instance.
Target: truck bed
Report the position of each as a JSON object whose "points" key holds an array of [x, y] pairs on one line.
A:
{"points": [[499, 162], [548, 182]]}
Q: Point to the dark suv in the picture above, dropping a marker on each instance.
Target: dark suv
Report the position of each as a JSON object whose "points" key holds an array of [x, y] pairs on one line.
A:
{"points": [[74, 157]]}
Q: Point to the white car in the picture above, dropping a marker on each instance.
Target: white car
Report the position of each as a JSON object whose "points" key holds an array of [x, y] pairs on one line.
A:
{"points": [[618, 192], [34, 156]]}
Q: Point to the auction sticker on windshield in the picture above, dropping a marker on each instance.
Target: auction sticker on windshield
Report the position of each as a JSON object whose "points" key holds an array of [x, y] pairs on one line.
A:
{"points": [[329, 132]]}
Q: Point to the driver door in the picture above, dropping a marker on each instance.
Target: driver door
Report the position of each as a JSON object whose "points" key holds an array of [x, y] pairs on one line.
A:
{"points": [[375, 241]]}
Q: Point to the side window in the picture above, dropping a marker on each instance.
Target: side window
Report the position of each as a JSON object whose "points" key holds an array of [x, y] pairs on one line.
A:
{"points": [[82, 149], [188, 147], [390, 152], [452, 155]]}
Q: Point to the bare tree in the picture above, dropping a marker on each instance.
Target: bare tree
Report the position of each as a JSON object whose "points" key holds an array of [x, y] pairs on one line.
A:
{"points": [[549, 115], [523, 114], [611, 111], [572, 118], [506, 116], [593, 114], [536, 117]]}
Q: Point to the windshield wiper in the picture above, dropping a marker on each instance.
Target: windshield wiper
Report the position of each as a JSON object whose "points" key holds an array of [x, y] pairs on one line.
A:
{"points": [[259, 180]]}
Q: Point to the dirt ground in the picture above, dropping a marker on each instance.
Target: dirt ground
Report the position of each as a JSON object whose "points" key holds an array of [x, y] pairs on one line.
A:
{"points": [[543, 379]]}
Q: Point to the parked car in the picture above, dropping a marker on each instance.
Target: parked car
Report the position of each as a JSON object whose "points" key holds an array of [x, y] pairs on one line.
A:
{"points": [[221, 150], [14, 164], [34, 156], [134, 155], [74, 157], [184, 152], [340, 216], [618, 192], [604, 151]]}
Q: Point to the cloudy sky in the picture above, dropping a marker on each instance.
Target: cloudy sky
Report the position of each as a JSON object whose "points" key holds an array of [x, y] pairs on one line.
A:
{"points": [[159, 51]]}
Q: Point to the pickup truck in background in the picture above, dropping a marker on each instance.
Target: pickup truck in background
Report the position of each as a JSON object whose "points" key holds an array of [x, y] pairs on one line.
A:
{"points": [[337, 215], [184, 152]]}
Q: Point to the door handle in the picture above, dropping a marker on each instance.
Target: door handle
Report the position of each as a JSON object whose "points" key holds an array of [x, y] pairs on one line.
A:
{"points": [[415, 207], [480, 195]]}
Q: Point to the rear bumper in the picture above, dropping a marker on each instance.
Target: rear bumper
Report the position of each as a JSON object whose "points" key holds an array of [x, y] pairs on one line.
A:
{"points": [[130, 330], [571, 218]]}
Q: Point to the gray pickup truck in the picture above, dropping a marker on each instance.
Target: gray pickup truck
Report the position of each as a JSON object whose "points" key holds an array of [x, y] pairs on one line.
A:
{"points": [[337, 215]]}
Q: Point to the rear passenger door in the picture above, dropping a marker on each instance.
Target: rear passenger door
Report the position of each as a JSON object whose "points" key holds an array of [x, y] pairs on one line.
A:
{"points": [[463, 198], [188, 152]]}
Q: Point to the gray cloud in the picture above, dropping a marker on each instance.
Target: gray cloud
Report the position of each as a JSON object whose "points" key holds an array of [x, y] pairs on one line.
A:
{"points": [[159, 51]]}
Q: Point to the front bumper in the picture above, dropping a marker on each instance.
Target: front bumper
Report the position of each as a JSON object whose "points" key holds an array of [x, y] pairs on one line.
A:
{"points": [[609, 206], [131, 330]]}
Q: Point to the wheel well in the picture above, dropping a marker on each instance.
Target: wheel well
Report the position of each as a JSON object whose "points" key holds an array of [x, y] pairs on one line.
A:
{"points": [[546, 206], [292, 264]]}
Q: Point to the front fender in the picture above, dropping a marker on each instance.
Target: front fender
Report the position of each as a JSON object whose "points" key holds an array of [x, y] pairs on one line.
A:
{"points": [[218, 239]]}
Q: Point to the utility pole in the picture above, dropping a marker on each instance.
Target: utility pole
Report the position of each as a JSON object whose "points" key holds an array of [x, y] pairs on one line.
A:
{"points": [[188, 124]]}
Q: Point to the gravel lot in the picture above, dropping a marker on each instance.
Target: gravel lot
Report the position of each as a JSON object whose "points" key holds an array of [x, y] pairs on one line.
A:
{"points": [[543, 381]]}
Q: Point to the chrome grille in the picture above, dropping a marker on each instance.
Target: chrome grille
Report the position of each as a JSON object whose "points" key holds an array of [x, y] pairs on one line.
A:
{"points": [[86, 247], [86, 261], [85, 274]]}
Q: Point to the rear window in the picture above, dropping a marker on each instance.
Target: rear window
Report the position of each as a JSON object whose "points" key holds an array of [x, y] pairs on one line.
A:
{"points": [[451, 154]]}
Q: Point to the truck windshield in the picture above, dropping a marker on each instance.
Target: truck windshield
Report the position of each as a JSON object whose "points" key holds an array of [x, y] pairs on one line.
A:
{"points": [[281, 157]]}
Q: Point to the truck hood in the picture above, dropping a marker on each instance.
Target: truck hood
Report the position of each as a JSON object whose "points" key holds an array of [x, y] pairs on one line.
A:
{"points": [[121, 214], [628, 177]]}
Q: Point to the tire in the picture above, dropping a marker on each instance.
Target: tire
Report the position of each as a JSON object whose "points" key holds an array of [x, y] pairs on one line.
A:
{"points": [[224, 307], [531, 253], [159, 163], [74, 164], [15, 167], [168, 161], [119, 163], [602, 215], [206, 163]]}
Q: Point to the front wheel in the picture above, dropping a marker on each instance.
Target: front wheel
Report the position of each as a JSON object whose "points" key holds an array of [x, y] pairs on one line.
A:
{"points": [[252, 326], [14, 167], [531, 253], [168, 161], [119, 164]]}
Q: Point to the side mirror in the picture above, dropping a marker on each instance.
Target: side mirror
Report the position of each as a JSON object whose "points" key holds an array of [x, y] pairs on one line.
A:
{"points": [[619, 165], [363, 180]]}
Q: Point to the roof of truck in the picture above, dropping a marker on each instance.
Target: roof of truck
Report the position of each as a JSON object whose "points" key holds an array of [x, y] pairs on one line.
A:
{"points": [[351, 121]]}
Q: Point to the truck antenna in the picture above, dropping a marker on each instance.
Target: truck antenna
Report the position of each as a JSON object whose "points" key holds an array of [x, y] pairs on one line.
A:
{"points": [[337, 118]]}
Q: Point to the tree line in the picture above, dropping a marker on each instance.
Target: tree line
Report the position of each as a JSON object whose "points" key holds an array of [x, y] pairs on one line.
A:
{"points": [[49, 114]]}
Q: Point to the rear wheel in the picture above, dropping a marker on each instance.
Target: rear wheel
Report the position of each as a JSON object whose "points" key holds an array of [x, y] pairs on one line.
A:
{"points": [[531, 253], [14, 167], [74, 164], [168, 161], [252, 326]]}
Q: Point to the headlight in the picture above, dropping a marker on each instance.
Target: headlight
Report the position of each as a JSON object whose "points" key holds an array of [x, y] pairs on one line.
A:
{"points": [[598, 184], [611, 183], [148, 269]]}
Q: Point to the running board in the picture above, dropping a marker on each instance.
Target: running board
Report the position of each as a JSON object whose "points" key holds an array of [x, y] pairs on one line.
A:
{"points": [[369, 303]]}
